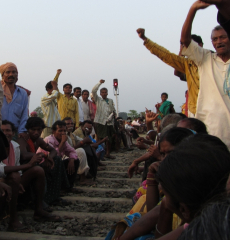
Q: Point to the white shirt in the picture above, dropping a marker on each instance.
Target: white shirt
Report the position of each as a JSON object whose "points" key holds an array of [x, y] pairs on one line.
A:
{"points": [[81, 114], [128, 127], [49, 108], [17, 160], [213, 105], [85, 108], [104, 109]]}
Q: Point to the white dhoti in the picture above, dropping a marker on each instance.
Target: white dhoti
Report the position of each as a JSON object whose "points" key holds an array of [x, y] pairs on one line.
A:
{"points": [[83, 166]]}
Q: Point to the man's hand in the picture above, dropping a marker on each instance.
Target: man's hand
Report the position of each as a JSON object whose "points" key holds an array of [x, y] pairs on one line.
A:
{"points": [[141, 33], [140, 139], [87, 140], [151, 116], [102, 81], [24, 135], [153, 168], [49, 163], [64, 138], [154, 152], [37, 158], [70, 167], [200, 5], [141, 145], [5, 189], [59, 71], [105, 139], [133, 167]]}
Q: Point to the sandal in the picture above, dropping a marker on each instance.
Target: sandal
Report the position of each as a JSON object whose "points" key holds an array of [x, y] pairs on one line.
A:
{"points": [[49, 218]]}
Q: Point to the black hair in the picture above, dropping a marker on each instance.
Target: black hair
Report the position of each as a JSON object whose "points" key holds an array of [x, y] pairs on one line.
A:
{"points": [[213, 222], [49, 86], [58, 123], [164, 93], [67, 118], [196, 125], [183, 116], [13, 128], [67, 84], [84, 91], [76, 88], [175, 135], [103, 89], [196, 38], [195, 172], [87, 121], [35, 122], [129, 118]]}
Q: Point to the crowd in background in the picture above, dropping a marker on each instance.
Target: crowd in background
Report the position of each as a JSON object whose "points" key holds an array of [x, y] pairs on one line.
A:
{"points": [[185, 177]]}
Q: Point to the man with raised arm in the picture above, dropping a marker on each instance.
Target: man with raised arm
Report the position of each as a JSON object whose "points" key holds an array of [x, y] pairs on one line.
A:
{"points": [[213, 103], [180, 64], [49, 105], [104, 116], [15, 100]]}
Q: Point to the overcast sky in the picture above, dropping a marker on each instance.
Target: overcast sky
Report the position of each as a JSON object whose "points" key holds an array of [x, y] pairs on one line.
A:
{"points": [[96, 39]]}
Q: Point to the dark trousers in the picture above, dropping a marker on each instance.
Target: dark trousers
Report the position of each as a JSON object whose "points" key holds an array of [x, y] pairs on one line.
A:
{"points": [[72, 177]]}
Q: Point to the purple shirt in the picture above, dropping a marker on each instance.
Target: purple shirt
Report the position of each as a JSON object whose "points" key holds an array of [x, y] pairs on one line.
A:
{"points": [[67, 150]]}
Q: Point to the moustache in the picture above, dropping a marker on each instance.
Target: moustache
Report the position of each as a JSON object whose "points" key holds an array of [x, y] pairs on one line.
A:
{"points": [[11, 77]]}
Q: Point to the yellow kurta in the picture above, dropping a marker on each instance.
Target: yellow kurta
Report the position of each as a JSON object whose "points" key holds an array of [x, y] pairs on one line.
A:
{"points": [[181, 64]]}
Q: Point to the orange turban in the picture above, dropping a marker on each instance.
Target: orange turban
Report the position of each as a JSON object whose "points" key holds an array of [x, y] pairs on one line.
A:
{"points": [[6, 90], [3, 67]]}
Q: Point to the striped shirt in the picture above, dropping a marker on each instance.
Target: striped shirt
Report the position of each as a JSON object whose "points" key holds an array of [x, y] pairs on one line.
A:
{"points": [[49, 108]]}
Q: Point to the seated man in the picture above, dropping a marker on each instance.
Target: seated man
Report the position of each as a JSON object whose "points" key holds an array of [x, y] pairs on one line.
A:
{"points": [[87, 129], [131, 129], [58, 140], [28, 149], [11, 174], [88, 163]]}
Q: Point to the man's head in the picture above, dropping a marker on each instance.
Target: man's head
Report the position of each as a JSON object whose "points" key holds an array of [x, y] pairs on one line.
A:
{"points": [[67, 88], [220, 40], [104, 93], [87, 127], [77, 92], [85, 95], [8, 129], [34, 126], [59, 129], [49, 87], [9, 73], [69, 124], [197, 39], [164, 96], [128, 121]]}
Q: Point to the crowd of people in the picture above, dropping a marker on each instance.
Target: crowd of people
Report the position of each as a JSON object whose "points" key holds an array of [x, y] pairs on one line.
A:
{"points": [[185, 178]]}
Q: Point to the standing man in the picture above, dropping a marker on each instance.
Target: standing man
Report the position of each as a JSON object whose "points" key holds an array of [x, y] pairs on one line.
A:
{"points": [[68, 105], [87, 106], [15, 100], [104, 116], [77, 94], [49, 105], [213, 103]]}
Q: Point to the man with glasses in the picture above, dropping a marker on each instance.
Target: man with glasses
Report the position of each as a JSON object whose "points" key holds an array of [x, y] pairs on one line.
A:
{"points": [[213, 103]]}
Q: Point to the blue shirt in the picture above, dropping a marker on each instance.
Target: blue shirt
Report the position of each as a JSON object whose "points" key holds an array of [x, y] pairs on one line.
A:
{"points": [[17, 110]]}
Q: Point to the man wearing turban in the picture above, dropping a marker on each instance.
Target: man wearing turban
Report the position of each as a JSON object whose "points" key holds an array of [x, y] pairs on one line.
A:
{"points": [[15, 99]]}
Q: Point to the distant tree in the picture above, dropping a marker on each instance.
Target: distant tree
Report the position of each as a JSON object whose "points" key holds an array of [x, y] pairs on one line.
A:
{"points": [[133, 114], [39, 112], [142, 114]]}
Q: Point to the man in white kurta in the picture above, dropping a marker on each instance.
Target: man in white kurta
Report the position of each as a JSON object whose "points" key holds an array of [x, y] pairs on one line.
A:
{"points": [[213, 103]]}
